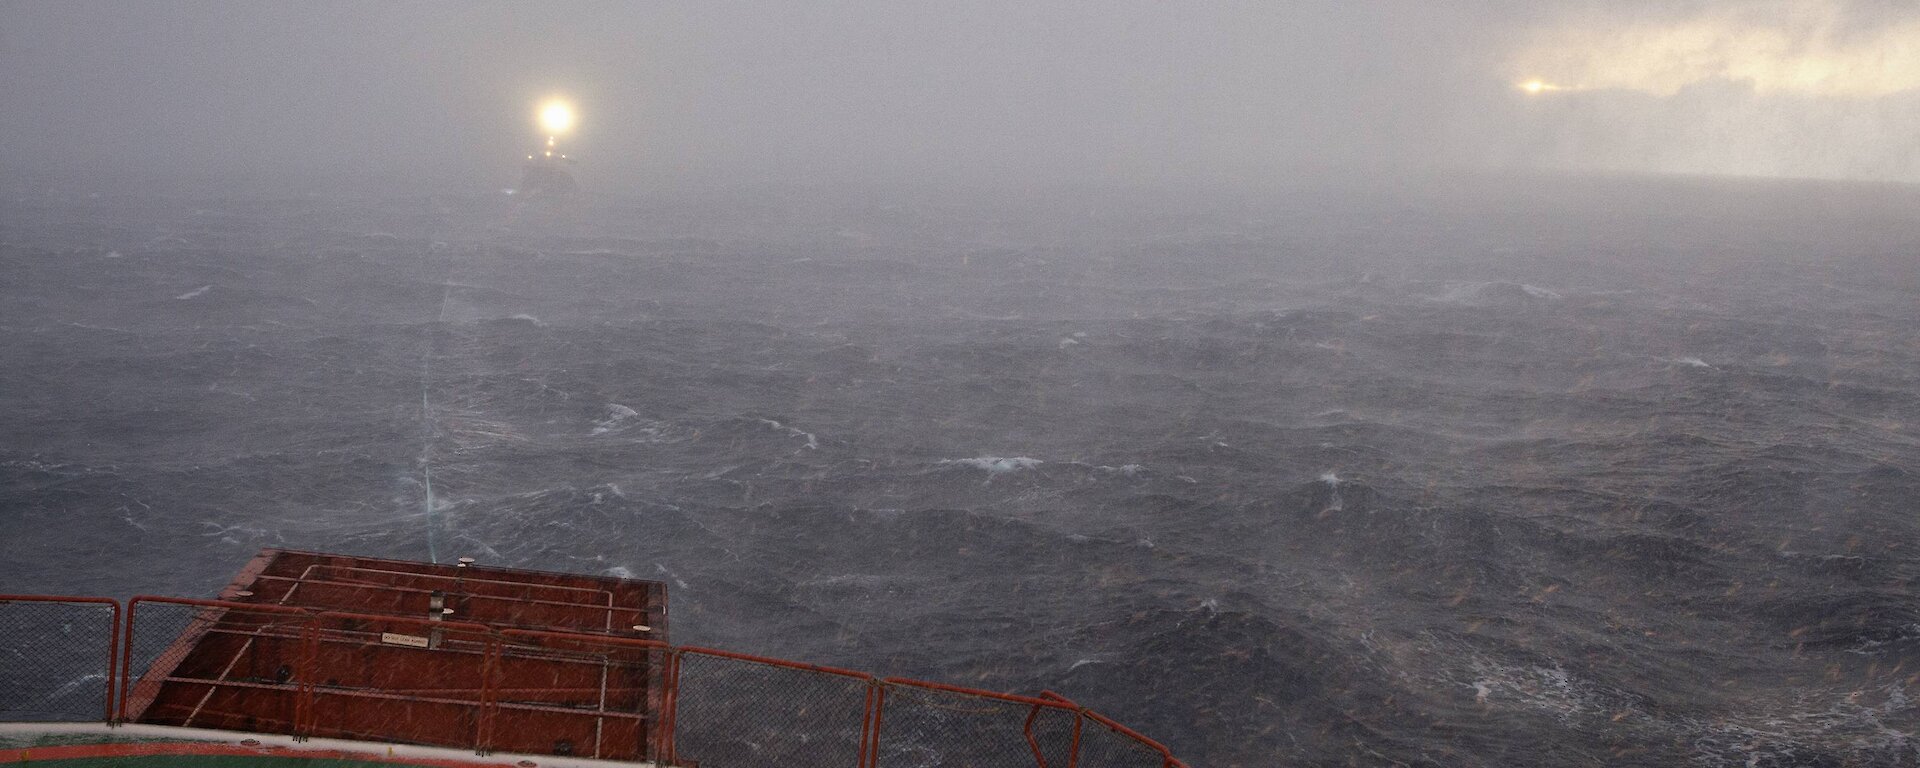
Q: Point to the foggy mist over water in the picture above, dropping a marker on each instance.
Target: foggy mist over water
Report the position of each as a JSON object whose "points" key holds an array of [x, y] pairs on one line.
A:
{"points": [[432, 97], [1308, 384]]}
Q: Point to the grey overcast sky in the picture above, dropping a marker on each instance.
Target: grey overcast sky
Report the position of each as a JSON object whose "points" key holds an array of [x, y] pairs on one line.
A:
{"points": [[442, 95]]}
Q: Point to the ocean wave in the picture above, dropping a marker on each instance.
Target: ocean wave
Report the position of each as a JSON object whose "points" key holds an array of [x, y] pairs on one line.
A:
{"points": [[1494, 293], [997, 465]]}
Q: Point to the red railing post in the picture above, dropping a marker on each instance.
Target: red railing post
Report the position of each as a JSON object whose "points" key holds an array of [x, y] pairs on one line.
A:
{"points": [[113, 658], [304, 719], [1039, 758], [126, 660], [879, 710], [669, 707], [126, 656], [866, 726], [489, 701], [1073, 752]]}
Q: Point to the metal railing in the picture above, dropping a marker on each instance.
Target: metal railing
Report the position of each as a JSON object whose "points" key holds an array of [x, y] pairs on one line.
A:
{"points": [[267, 668], [57, 657], [231, 640], [729, 708], [586, 695]]}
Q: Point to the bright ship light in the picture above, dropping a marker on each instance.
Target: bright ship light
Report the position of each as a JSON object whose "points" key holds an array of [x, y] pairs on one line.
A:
{"points": [[556, 117]]}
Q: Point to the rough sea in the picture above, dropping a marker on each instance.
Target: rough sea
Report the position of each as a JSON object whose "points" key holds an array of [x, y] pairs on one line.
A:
{"points": [[1543, 471]]}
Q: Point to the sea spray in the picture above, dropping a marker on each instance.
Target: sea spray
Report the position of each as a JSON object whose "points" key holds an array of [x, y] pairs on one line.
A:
{"points": [[427, 431], [426, 471]]}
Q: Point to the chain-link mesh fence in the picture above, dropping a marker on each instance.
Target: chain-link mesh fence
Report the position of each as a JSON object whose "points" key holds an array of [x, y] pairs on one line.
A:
{"points": [[56, 658], [927, 726], [581, 695], [732, 712], [207, 664], [1103, 746]]}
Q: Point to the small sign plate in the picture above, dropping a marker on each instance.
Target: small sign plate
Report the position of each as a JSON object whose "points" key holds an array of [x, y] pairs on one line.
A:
{"points": [[395, 638]]}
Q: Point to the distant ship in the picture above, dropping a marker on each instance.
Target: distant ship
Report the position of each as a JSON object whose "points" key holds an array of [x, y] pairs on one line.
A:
{"points": [[312, 659], [546, 170], [546, 173]]}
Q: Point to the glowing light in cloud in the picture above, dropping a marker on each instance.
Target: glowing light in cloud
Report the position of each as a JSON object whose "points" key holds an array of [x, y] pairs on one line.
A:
{"points": [[1797, 47]]}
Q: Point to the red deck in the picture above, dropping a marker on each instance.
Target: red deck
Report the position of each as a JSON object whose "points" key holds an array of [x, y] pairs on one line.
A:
{"points": [[305, 645], [361, 648], [497, 597]]}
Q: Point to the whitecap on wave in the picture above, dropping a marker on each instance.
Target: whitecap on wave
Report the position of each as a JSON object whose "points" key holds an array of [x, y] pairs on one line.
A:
{"points": [[813, 441], [1480, 294], [997, 464], [616, 413]]}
